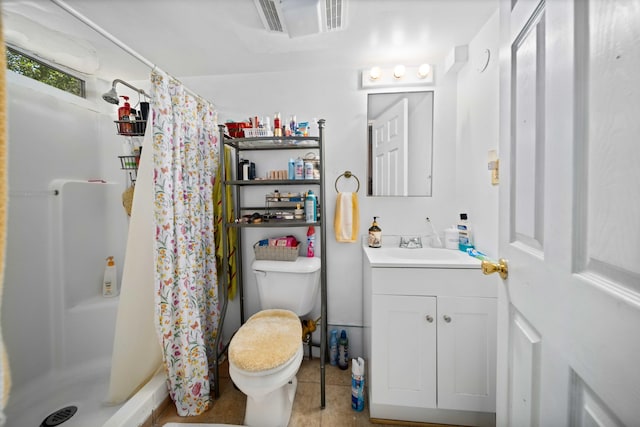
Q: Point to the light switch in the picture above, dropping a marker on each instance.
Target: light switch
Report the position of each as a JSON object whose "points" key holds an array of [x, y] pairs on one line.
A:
{"points": [[494, 167]]}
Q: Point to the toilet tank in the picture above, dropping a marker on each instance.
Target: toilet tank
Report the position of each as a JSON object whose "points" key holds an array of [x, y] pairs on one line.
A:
{"points": [[291, 285]]}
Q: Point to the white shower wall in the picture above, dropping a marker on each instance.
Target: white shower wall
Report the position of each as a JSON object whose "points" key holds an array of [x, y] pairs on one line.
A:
{"points": [[52, 320]]}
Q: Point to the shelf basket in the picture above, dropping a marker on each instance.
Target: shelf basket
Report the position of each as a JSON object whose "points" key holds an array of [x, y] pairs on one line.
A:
{"points": [[256, 132], [129, 162], [128, 128], [276, 253]]}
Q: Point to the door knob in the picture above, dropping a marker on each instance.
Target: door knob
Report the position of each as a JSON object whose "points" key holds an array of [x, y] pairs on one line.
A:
{"points": [[447, 318], [501, 267], [429, 318]]}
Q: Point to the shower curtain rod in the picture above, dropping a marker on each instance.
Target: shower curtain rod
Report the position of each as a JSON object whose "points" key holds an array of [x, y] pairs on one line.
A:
{"points": [[114, 40]]}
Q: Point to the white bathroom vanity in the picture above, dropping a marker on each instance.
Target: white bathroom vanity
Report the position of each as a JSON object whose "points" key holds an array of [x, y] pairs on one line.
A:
{"points": [[430, 336]]}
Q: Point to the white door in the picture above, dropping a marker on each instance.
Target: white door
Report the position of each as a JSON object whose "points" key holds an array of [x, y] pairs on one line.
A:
{"points": [[404, 344], [390, 161], [569, 311], [467, 353]]}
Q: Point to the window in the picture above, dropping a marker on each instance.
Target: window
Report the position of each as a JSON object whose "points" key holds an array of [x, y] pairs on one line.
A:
{"points": [[38, 70]]}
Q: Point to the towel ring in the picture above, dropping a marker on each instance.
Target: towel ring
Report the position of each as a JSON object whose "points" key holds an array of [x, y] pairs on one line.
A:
{"points": [[347, 174]]}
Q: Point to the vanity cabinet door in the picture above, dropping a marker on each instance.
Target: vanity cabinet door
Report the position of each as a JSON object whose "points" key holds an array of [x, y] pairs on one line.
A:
{"points": [[403, 343], [467, 331]]}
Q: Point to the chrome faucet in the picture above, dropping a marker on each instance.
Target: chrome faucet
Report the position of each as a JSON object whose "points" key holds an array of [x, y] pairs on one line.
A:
{"points": [[434, 241], [411, 242]]}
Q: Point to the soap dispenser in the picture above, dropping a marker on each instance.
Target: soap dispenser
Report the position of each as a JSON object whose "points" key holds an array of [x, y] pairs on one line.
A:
{"points": [[375, 235]]}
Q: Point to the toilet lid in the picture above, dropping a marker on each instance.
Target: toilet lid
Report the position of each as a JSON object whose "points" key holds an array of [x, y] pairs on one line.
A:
{"points": [[267, 340]]}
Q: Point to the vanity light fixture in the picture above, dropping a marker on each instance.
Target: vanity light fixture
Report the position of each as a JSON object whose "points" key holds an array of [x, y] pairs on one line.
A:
{"points": [[423, 71], [397, 76], [398, 71], [375, 73]]}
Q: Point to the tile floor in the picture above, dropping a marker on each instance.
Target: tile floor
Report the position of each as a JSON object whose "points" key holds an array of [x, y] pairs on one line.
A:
{"points": [[229, 408]]}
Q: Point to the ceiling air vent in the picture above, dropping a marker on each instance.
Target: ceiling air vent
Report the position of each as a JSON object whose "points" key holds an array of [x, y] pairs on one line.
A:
{"points": [[270, 14], [334, 14], [301, 17]]}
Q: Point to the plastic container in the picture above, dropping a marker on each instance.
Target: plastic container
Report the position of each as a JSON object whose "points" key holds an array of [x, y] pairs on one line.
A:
{"points": [[343, 351], [357, 384], [310, 207], [333, 348], [451, 238], [311, 242], [109, 282]]}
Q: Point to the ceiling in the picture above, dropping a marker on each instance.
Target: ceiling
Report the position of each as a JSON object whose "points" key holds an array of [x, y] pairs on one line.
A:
{"points": [[213, 37]]}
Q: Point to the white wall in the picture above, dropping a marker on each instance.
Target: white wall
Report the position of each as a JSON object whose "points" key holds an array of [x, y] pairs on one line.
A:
{"points": [[477, 133], [333, 94]]}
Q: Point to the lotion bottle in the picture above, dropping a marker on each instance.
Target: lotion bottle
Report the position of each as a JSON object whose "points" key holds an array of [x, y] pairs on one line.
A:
{"points": [[109, 283]]}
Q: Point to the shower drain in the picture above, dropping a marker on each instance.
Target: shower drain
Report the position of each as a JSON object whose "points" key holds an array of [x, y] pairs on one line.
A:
{"points": [[59, 417]]}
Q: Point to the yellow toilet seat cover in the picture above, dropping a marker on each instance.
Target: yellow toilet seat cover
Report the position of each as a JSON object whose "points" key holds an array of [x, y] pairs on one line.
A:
{"points": [[267, 340]]}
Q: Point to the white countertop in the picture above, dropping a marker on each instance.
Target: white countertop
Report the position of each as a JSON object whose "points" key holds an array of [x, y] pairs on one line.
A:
{"points": [[391, 255]]}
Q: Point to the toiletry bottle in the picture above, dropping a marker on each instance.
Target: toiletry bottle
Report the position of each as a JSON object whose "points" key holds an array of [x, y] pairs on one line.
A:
{"points": [[277, 130], [298, 213], [310, 204], [357, 384], [375, 235], [311, 242], [109, 285], [292, 169], [343, 350], [465, 241], [333, 348], [293, 125], [123, 115], [299, 168], [308, 170]]}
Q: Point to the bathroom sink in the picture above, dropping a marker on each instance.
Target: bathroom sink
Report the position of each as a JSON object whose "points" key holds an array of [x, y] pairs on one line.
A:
{"points": [[393, 256]]}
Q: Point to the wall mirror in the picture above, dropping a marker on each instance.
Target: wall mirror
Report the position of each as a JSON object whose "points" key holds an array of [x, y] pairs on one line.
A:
{"points": [[400, 143]]}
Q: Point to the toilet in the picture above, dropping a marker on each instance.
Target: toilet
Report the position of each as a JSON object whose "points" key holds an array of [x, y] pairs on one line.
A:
{"points": [[266, 352]]}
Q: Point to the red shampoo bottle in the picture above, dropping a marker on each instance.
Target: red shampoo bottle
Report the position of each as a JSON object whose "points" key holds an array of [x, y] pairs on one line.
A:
{"points": [[123, 115]]}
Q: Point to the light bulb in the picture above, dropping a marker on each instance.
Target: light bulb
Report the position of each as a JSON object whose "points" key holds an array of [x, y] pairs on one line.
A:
{"points": [[398, 71], [424, 70], [375, 73]]}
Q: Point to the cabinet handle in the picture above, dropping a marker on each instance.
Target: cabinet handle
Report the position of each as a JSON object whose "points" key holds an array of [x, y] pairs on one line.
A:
{"points": [[429, 318], [446, 318]]}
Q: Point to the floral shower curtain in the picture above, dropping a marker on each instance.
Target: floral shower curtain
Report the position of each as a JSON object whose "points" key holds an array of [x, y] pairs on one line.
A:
{"points": [[185, 147]]}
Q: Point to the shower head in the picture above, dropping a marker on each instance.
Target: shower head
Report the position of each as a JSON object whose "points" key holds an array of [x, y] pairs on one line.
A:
{"points": [[112, 96]]}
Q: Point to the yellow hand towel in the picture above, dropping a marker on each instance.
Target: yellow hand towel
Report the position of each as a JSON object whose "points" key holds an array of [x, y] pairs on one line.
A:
{"points": [[347, 219]]}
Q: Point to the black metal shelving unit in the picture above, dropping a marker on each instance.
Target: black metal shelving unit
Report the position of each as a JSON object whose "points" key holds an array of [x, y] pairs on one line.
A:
{"points": [[271, 143]]}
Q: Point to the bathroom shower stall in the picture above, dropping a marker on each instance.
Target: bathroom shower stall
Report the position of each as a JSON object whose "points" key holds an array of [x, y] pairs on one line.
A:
{"points": [[65, 216]]}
